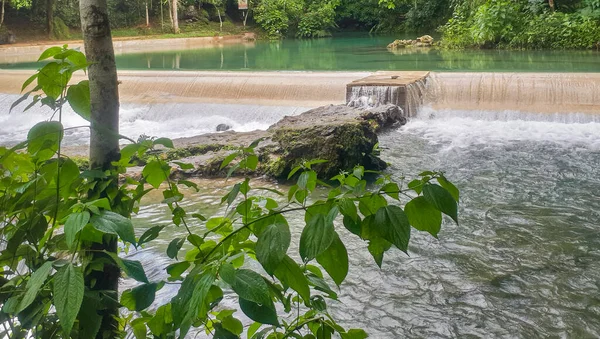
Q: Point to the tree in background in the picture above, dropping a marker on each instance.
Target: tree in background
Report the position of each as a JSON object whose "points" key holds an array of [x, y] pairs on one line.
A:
{"points": [[302, 18]]}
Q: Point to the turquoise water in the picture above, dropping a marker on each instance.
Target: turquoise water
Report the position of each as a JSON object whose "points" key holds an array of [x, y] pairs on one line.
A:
{"points": [[353, 52]]}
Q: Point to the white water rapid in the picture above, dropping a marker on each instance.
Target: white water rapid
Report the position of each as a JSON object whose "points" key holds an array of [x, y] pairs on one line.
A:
{"points": [[172, 120]]}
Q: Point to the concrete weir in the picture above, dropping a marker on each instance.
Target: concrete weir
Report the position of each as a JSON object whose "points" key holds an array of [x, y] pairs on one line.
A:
{"points": [[404, 89]]}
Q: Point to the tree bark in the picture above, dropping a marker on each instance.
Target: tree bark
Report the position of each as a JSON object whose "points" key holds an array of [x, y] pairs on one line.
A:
{"points": [[147, 15], [175, 18], [2, 13], [104, 139], [551, 4], [220, 20], [50, 18]]}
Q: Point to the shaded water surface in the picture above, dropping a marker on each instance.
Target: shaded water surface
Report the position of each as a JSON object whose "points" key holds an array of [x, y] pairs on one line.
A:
{"points": [[524, 261], [353, 52]]}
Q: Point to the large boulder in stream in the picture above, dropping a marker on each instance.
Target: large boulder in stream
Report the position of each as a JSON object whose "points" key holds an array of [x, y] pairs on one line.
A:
{"points": [[343, 136]]}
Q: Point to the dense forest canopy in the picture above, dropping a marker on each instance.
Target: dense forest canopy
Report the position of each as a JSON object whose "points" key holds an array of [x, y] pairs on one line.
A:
{"points": [[461, 23]]}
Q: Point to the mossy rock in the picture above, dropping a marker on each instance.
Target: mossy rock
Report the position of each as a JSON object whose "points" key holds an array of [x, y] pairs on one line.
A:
{"points": [[343, 136]]}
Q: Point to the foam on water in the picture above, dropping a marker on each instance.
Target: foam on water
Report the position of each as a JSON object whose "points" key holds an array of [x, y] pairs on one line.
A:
{"points": [[172, 120], [462, 128]]}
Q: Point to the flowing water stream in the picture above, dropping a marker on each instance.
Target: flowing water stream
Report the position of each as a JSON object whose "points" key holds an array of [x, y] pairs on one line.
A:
{"points": [[525, 259]]}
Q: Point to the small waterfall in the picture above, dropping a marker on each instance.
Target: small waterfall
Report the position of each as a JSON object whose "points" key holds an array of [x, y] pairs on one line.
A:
{"points": [[524, 92], [409, 97], [373, 96]]}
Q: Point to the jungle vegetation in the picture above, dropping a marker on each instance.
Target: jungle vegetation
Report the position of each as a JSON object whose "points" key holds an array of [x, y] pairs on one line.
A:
{"points": [[558, 24]]}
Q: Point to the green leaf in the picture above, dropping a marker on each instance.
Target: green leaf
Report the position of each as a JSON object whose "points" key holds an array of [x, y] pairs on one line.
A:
{"points": [[177, 269], [416, 185], [423, 216], [450, 188], [156, 172], [165, 142], [259, 313], [138, 327], [20, 100], [150, 234], [29, 81], [348, 208], [272, 246], [377, 247], [79, 99], [77, 58], [139, 298], [188, 301], [89, 319], [392, 190], [393, 226], [252, 162], [253, 328], [36, 281], [370, 204], [441, 199], [113, 223], [174, 247], [75, 223], [50, 52], [354, 226], [316, 237], [290, 274], [68, 295], [223, 333], [307, 180], [354, 334], [43, 139], [228, 159], [52, 79], [195, 239], [131, 268], [230, 323], [251, 286], [162, 321], [335, 260]]}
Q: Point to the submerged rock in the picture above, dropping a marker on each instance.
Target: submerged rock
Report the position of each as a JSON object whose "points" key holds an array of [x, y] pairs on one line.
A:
{"points": [[223, 127]]}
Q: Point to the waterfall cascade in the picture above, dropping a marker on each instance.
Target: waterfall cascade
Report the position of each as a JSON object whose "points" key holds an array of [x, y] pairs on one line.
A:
{"points": [[405, 89], [524, 92]]}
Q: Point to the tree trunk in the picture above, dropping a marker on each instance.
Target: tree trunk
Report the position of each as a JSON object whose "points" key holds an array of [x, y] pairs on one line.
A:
{"points": [[104, 139], [147, 15], [2, 13], [170, 8], [50, 18], [175, 18], [220, 20], [551, 4], [245, 14]]}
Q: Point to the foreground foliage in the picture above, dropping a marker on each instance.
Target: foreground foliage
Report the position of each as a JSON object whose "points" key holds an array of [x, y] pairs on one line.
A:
{"points": [[53, 215]]}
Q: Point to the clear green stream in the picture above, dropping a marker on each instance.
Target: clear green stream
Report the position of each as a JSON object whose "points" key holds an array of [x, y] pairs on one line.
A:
{"points": [[354, 52]]}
